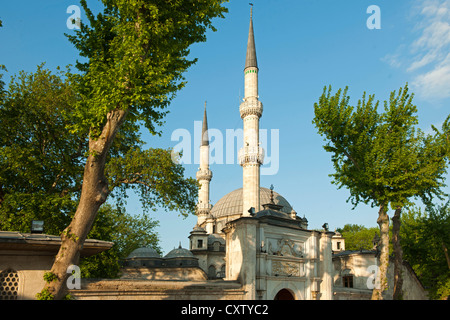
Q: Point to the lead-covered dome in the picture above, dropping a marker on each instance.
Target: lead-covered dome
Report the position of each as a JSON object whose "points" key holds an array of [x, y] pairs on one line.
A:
{"points": [[179, 253], [144, 253], [231, 204]]}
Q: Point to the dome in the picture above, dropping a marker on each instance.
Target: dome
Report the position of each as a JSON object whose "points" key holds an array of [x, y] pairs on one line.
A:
{"points": [[144, 252], [179, 253], [231, 203]]}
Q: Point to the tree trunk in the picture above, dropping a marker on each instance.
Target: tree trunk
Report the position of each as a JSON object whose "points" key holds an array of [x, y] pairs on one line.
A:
{"points": [[93, 194], [398, 255], [383, 222], [446, 254]]}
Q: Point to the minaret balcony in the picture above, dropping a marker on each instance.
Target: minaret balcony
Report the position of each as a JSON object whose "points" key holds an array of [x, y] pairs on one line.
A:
{"points": [[251, 155], [251, 107], [204, 174], [203, 208]]}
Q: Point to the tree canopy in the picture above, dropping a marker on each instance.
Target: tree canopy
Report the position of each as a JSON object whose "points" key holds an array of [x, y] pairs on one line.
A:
{"points": [[425, 241], [358, 237], [41, 172], [383, 159], [136, 53]]}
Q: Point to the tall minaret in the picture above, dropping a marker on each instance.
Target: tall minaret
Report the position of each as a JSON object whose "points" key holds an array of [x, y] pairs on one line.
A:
{"points": [[251, 155], [204, 175]]}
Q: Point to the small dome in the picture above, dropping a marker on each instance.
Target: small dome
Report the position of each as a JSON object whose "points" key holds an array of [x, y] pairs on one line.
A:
{"points": [[179, 253], [144, 252]]}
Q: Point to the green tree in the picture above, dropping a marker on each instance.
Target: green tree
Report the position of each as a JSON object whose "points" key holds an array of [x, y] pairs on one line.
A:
{"points": [[358, 237], [41, 171], [137, 52], [425, 241], [383, 160], [127, 232], [41, 163]]}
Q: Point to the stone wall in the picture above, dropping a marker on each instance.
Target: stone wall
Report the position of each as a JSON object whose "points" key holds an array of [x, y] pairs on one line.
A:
{"points": [[158, 290]]}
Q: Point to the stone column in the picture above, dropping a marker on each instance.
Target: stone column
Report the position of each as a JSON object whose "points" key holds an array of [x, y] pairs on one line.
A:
{"points": [[327, 270]]}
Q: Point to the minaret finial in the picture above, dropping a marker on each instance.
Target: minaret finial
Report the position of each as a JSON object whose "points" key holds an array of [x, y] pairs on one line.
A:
{"points": [[271, 194], [251, 10], [205, 138]]}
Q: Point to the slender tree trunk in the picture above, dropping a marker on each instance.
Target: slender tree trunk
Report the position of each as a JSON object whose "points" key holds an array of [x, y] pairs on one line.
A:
{"points": [[398, 255], [446, 254], [383, 222], [93, 194]]}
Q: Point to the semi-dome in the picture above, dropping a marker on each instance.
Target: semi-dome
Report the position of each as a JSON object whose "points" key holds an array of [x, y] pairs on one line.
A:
{"points": [[144, 253], [231, 203]]}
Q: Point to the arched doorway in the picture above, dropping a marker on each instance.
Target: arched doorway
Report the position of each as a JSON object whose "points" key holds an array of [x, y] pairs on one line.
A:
{"points": [[284, 294]]}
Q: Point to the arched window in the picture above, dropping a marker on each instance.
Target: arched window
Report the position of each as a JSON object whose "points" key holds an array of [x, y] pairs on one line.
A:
{"points": [[9, 284]]}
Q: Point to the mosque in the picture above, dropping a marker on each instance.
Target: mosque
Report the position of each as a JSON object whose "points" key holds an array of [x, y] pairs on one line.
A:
{"points": [[250, 245]]}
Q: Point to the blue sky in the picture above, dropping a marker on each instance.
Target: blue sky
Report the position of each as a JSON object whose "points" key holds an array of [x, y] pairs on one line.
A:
{"points": [[301, 46]]}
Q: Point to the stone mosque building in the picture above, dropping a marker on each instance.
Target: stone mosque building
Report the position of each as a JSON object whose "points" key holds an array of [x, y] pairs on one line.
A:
{"points": [[250, 245]]}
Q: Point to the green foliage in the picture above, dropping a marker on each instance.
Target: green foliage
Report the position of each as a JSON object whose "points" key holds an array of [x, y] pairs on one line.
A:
{"points": [[2, 83], [382, 158], [424, 239], [49, 277], [44, 295], [68, 297], [155, 177], [127, 232], [42, 163], [358, 237], [137, 52], [443, 289]]}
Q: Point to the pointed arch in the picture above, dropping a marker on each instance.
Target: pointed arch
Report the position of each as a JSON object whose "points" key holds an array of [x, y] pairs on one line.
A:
{"points": [[284, 294]]}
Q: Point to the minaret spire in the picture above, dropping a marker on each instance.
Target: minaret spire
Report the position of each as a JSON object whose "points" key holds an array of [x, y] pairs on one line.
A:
{"points": [[204, 176], [251, 155], [205, 138], [250, 59]]}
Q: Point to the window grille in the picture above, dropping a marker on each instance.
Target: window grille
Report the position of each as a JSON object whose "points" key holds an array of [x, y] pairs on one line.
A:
{"points": [[9, 285]]}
